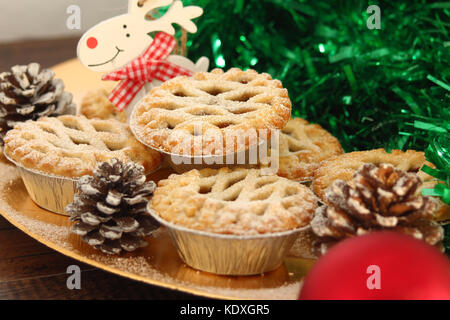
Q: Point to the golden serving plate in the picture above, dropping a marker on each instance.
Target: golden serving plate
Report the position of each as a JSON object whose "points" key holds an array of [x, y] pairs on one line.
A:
{"points": [[158, 263]]}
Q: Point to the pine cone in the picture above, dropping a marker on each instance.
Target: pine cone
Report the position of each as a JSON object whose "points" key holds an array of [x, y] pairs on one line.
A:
{"points": [[379, 198], [111, 207], [26, 92]]}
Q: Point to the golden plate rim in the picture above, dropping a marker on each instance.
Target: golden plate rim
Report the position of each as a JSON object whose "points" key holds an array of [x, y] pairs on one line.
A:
{"points": [[69, 67], [182, 287], [104, 267]]}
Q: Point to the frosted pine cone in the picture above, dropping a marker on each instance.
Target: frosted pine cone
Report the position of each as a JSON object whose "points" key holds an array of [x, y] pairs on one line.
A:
{"points": [[379, 198], [111, 207], [27, 92]]}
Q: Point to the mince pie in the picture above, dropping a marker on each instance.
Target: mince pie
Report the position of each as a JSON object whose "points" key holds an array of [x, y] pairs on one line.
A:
{"points": [[207, 113], [233, 201], [97, 105], [72, 146], [303, 146], [343, 167]]}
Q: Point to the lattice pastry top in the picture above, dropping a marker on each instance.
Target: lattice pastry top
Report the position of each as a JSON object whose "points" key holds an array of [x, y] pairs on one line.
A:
{"points": [[72, 146], [233, 201], [344, 166], [96, 104], [302, 147], [198, 111]]}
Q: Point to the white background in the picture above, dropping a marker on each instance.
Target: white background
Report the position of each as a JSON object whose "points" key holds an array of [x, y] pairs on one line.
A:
{"points": [[46, 19]]}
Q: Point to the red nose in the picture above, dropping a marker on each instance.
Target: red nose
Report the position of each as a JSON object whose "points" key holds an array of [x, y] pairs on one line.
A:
{"points": [[92, 43]]}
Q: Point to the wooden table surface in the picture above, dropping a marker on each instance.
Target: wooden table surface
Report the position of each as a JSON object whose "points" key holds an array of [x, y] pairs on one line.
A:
{"points": [[30, 270]]}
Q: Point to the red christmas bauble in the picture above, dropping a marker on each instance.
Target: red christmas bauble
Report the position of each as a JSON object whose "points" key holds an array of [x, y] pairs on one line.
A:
{"points": [[380, 265]]}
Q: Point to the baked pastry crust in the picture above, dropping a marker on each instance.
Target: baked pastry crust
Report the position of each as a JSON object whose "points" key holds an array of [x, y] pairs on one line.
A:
{"points": [[220, 103], [71, 146], [234, 201], [303, 146], [96, 105], [344, 166]]}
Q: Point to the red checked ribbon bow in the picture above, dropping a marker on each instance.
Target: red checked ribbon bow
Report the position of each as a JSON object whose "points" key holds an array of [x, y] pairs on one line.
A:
{"points": [[152, 64]]}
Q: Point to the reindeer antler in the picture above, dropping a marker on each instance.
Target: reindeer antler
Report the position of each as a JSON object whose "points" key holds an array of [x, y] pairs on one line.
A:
{"points": [[176, 14], [150, 4]]}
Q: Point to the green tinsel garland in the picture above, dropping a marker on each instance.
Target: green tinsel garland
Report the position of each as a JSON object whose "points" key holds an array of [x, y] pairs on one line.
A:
{"points": [[371, 88]]}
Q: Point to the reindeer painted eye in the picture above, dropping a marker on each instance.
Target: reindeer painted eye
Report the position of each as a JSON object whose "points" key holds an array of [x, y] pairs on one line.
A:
{"points": [[92, 43], [124, 26], [128, 35]]}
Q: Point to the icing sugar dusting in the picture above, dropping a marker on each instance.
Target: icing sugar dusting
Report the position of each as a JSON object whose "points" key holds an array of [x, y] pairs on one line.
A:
{"points": [[138, 265]]}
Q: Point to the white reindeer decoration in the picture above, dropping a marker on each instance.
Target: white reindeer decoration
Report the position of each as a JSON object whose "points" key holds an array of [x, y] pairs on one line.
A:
{"points": [[115, 42]]}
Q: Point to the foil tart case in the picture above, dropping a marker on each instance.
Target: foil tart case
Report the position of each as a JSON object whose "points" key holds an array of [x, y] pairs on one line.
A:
{"points": [[230, 254], [52, 193]]}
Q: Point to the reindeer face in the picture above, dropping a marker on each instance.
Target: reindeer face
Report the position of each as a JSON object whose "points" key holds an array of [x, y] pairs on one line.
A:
{"points": [[115, 42], [112, 43]]}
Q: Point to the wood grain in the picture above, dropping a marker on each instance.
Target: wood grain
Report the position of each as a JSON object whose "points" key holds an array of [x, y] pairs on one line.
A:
{"points": [[14, 244], [30, 270], [5, 225], [95, 284], [46, 52]]}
